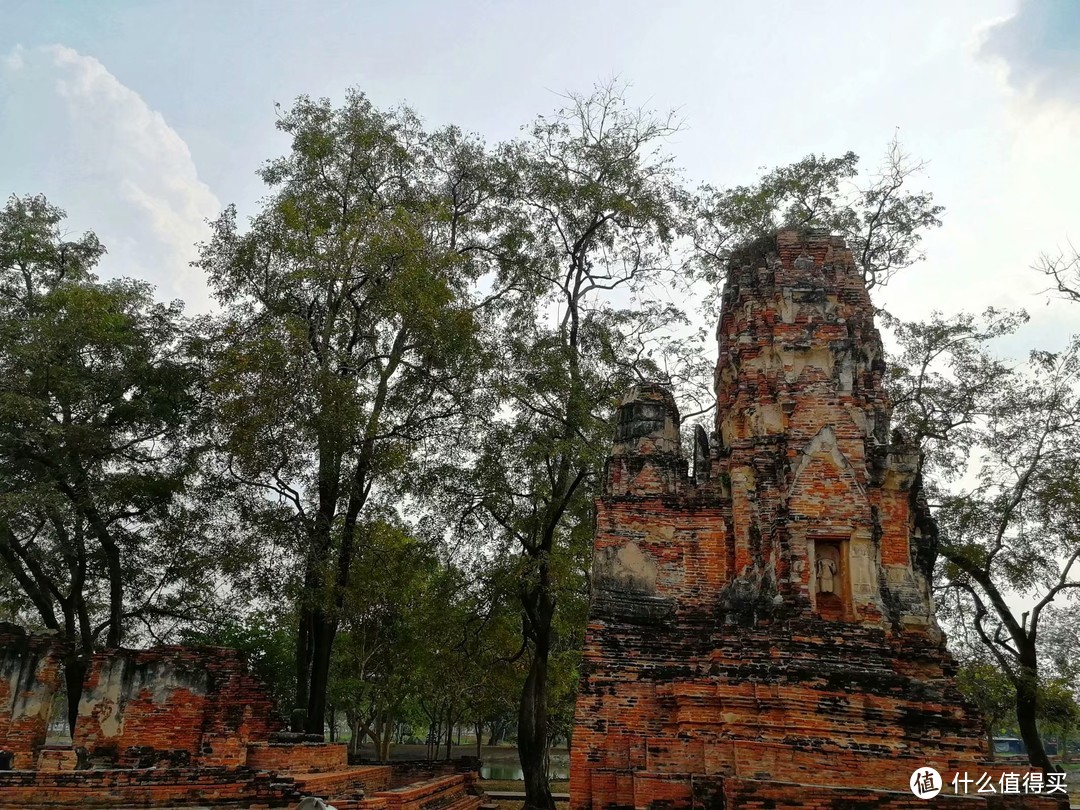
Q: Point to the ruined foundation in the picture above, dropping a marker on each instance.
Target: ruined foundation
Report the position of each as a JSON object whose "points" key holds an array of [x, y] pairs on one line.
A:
{"points": [[179, 726], [761, 631]]}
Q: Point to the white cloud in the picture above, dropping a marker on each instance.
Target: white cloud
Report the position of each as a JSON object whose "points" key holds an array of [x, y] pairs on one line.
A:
{"points": [[1040, 48], [14, 60], [116, 166]]}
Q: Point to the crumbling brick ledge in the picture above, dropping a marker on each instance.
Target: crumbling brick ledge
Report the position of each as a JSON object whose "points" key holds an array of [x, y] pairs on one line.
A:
{"points": [[146, 787]]}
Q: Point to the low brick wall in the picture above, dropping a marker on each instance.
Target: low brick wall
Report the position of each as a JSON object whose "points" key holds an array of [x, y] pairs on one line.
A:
{"points": [[144, 787], [410, 771], [297, 757]]}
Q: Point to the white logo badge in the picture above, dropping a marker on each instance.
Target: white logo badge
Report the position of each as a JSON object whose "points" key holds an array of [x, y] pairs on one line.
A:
{"points": [[925, 783]]}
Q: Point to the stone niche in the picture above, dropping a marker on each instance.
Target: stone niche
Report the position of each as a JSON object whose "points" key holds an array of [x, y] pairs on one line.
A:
{"points": [[831, 578], [760, 630]]}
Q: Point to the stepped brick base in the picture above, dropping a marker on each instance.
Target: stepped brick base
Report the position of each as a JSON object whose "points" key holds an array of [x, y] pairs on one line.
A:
{"points": [[366, 787], [145, 787]]}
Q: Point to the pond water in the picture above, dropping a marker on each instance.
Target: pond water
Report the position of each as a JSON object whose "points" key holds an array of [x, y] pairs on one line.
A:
{"points": [[506, 766]]}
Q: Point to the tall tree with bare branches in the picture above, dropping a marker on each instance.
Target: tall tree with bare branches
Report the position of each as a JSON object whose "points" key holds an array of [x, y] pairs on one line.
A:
{"points": [[1016, 529]]}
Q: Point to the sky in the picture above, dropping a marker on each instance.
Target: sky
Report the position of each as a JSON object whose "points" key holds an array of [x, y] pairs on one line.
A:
{"points": [[143, 119]]}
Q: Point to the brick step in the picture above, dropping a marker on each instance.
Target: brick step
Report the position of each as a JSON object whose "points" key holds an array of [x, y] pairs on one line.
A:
{"points": [[464, 802], [520, 794], [425, 795], [628, 786], [357, 804], [366, 778]]}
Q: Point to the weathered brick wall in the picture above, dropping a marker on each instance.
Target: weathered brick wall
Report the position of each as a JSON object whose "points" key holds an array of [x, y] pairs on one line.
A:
{"points": [[145, 787], [57, 758], [298, 757], [173, 705], [761, 616], [167, 727], [31, 672]]}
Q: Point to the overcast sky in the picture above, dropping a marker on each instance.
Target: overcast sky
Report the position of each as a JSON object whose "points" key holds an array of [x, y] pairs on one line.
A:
{"points": [[143, 119]]}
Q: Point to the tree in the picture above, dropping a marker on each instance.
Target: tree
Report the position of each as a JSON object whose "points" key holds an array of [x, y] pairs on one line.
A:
{"points": [[1064, 271], [399, 605], [1018, 528], [881, 220], [589, 210], [349, 335], [1059, 711], [985, 685], [98, 398], [944, 384]]}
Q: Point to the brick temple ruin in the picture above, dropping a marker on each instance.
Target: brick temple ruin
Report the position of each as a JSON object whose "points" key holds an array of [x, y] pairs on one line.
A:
{"points": [[182, 726], [761, 631]]}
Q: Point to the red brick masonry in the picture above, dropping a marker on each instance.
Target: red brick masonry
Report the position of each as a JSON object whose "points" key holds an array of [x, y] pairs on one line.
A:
{"points": [[179, 726], [31, 669], [172, 704], [761, 631]]}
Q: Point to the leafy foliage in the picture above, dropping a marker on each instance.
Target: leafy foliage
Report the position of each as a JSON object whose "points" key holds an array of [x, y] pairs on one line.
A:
{"points": [[1015, 529], [349, 337], [97, 405], [881, 220]]}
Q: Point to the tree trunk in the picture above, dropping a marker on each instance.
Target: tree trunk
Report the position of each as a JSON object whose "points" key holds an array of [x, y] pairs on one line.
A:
{"points": [[387, 738], [354, 732], [532, 736], [449, 730], [74, 675], [298, 716], [990, 756], [532, 714], [479, 737], [1026, 706], [322, 642]]}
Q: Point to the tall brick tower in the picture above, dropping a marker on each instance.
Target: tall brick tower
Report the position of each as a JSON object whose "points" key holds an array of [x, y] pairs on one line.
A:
{"points": [[761, 627]]}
